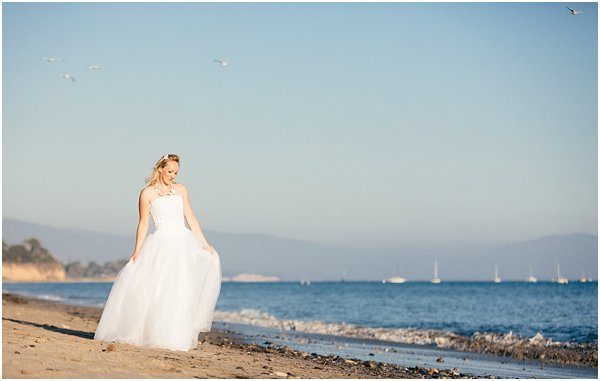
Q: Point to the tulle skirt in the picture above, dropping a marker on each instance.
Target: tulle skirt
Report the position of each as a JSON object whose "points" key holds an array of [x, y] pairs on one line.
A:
{"points": [[167, 297]]}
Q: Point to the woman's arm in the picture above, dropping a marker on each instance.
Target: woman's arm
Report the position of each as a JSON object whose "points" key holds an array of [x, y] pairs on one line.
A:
{"points": [[192, 220], [142, 228]]}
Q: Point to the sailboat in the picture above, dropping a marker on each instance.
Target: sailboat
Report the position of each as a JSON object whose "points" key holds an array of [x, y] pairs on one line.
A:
{"points": [[560, 279], [531, 278], [395, 279], [582, 278], [496, 277], [435, 279]]}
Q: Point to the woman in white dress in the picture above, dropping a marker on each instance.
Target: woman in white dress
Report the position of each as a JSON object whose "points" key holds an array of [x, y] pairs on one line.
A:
{"points": [[166, 294]]}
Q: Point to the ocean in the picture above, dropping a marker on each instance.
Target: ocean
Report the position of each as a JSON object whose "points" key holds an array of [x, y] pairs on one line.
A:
{"points": [[563, 313], [422, 313]]}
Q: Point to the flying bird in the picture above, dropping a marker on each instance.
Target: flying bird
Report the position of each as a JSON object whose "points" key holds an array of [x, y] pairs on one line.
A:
{"points": [[223, 63], [95, 67], [52, 59], [574, 12], [68, 77]]}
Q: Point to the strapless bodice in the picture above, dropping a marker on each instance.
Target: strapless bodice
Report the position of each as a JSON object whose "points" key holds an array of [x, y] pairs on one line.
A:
{"points": [[167, 214]]}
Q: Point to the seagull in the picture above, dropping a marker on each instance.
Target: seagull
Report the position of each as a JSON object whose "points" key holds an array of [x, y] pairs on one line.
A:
{"points": [[223, 63], [68, 76], [95, 67], [574, 12], [52, 59]]}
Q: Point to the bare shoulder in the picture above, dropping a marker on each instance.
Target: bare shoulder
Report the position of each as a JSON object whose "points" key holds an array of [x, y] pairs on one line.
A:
{"points": [[147, 193], [181, 188]]}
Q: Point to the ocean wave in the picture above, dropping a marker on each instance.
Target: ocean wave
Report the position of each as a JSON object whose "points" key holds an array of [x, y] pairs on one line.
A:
{"points": [[442, 339], [507, 344], [50, 297]]}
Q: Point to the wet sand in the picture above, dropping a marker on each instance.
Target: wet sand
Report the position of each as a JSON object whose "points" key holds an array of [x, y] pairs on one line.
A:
{"points": [[43, 339]]}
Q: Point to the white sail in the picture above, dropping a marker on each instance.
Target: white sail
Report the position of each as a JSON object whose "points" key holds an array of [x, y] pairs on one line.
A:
{"points": [[531, 278], [560, 279], [436, 279], [496, 277]]}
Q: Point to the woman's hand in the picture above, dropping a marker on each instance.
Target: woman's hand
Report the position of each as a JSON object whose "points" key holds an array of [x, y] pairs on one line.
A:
{"points": [[134, 257]]}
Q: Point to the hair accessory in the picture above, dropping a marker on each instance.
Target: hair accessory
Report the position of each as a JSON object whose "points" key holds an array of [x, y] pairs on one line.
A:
{"points": [[166, 157]]}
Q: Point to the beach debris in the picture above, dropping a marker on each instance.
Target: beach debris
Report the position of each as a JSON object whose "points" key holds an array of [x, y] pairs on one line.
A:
{"points": [[40, 340], [17, 352], [222, 62], [65, 326], [280, 374], [111, 347], [440, 359], [349, 362]]}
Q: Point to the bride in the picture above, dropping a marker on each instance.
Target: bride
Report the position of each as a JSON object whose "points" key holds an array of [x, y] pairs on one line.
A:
{"points": [[166, 294]]}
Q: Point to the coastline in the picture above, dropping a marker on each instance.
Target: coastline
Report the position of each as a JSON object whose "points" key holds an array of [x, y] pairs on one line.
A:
{"points": [[508, 346], [45, 339], [48, 339]]}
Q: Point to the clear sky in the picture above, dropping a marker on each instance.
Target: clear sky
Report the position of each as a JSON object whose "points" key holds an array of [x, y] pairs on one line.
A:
{"points": [[364, 125]]}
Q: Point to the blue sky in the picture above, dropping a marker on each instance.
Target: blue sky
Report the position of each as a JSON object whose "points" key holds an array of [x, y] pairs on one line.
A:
{"points": [[363, 125]]}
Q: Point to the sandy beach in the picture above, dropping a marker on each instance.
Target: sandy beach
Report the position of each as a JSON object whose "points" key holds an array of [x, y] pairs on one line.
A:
{"points": [[43, 339]]}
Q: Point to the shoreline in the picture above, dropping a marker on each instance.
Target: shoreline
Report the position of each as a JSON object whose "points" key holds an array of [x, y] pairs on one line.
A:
{"points": [[507, 346], [45, 339], [265, 346]]}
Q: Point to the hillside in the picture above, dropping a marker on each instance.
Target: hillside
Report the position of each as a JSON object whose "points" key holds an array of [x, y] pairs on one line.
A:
{"points": [[291, 259], [30, 262]]}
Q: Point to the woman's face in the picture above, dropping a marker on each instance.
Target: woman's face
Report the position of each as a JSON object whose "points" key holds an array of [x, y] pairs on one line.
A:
{"points": [[169, 172]]}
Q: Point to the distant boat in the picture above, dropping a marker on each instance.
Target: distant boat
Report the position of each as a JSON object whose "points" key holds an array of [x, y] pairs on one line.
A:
{"points": [[531, 278], [590, 279], [582, 278], [435, 279], [395, 279], [560, 279], [305, 282], [496, 277], [343, 276]]}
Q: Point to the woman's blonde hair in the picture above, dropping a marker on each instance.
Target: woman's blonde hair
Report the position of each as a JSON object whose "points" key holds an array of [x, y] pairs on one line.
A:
{"points": [[161, 163]]}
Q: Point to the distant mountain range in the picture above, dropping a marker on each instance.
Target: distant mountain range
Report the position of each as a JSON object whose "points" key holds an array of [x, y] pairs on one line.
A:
{"points": [[292, 259]]}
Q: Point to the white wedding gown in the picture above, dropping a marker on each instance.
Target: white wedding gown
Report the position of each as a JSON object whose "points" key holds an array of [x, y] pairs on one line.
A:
{"points": [[168, 295]]}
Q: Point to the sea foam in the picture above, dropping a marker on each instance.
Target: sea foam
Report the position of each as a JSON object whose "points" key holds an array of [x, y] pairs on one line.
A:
{"points": [[508, 344]]}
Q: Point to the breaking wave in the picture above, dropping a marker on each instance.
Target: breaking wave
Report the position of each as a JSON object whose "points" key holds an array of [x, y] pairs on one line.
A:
{"points": [[507, 344]]}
